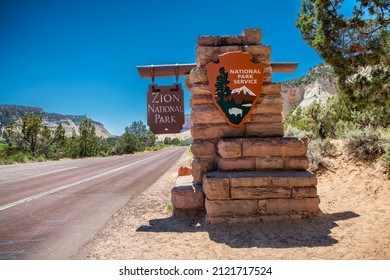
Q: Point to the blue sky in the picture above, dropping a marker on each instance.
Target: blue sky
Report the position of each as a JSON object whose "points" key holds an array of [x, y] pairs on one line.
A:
{"points": [[80, 57]]}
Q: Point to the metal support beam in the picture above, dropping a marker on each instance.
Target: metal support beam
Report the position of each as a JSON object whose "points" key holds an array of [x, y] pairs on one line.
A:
{"points": [[167, 70]]}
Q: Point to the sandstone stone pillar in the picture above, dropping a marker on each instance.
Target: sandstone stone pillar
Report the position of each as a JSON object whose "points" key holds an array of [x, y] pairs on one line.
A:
{"points": [[249, 173]]}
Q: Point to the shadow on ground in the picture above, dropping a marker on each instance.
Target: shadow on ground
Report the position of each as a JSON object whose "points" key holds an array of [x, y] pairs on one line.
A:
{"points": [[282, 234]]}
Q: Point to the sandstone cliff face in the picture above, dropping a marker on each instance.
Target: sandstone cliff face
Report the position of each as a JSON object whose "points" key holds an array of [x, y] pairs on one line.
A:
{"points": [[69, 124], [51, 120], [319, 91], [318, 85]]}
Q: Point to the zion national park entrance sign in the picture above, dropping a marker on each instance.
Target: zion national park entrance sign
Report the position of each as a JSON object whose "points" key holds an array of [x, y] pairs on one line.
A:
{"points": [[165, 108], [243, 168]]}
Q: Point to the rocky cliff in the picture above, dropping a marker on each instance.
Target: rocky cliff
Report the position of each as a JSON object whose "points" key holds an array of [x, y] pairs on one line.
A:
{"points": [[51, 120], [318, 85]]}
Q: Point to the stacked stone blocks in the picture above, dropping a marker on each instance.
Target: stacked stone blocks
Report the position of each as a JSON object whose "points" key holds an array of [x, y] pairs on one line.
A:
{"points": [[187, 199], [251, 172]]}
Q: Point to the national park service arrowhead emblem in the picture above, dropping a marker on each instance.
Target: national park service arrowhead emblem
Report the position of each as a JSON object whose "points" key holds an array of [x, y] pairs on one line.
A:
{"points": [[235, 84]]}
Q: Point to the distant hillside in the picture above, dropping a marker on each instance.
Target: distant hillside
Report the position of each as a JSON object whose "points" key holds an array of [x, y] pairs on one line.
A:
{"points": [[317, 85], [51, 120], [187, 123]]}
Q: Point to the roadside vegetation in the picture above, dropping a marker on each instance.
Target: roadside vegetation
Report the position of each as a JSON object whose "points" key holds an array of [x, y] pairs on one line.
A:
{"points": [[358, 49], [26, 140]]}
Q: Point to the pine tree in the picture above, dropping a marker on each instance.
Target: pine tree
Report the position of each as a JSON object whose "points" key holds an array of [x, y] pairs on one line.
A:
{"points": [[72, 144], [87, 140], [139, 129], [222, 85], [357, 47]]}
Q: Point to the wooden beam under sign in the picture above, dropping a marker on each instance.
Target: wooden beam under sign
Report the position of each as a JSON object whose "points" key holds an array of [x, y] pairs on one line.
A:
{"points": [[165, 70], [172, 70], [284, 67]]}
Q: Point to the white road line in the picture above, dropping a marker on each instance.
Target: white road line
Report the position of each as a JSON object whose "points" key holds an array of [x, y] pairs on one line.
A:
{"points": [[63, 187], [38, 175]]}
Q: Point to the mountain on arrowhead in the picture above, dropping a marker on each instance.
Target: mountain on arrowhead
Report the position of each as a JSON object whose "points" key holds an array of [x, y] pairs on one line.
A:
{"points": [[243, 90], [241, 95]]}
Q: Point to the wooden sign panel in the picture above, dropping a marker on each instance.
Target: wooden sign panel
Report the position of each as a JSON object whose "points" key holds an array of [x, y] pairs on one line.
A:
{"points": [[165, 108], [235, 83]]}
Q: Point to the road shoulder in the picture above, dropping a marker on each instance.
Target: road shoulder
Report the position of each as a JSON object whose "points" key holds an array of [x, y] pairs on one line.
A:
{"points": [[109, 242]]}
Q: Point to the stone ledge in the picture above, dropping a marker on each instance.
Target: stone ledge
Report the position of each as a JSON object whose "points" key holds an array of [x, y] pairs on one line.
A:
{"points": [[216, 188], [272, 178], [187, 196], [234, 162], [269, 207], [265, 147], [264, 178]]}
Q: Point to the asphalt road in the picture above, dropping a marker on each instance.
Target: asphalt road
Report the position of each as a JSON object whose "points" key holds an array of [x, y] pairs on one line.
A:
{"points": [[50, 210]]}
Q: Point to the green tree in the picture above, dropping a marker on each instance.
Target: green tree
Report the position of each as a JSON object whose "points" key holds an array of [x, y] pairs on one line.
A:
{"points": [[6, 137], [72, 144], [176, 141], [46, 140], [30, 129], [87, 138], [58, 147], [139, 129], [59, 135], [128, 143], [358, 48], [318, 121], [167, 140], [222, 85], [24, 133], [106, 146]]}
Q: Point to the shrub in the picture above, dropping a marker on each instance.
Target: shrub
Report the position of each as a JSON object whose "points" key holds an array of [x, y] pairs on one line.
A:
{"points": [[385, 158], [170, 207], [366, 144], [291, 131], [318, 151]]}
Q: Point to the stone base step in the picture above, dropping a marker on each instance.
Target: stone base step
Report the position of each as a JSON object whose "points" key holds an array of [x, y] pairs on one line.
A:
{"points": [[187, 199], [247, 185], [259, 195], [262, 207], [260, 219]]}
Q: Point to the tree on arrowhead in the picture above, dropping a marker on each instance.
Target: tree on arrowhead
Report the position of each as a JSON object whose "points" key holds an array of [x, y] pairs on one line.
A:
{"points": [[222, 85]]}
